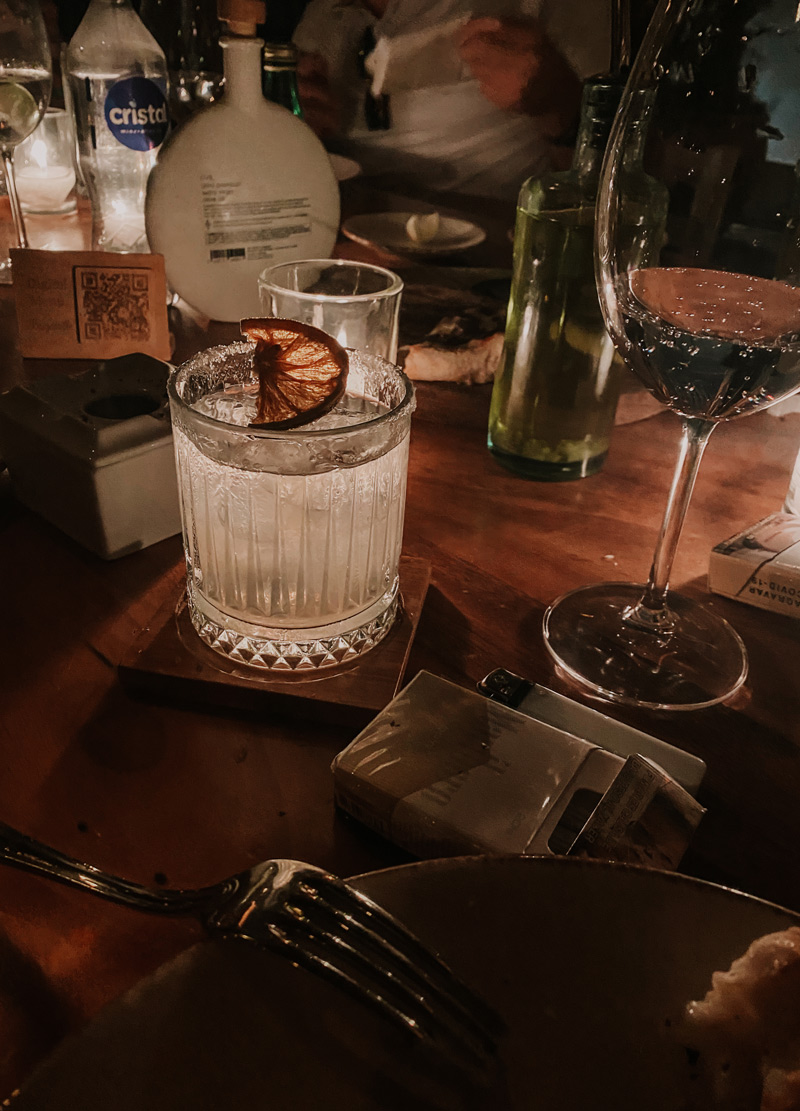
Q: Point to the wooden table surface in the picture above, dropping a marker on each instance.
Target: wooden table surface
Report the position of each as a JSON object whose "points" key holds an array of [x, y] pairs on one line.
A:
{"points": [[184, 796]]}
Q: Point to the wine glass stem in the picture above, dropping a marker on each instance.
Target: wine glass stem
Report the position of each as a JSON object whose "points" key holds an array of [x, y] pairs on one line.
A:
{"points": [[11, 185], [652, 610]]}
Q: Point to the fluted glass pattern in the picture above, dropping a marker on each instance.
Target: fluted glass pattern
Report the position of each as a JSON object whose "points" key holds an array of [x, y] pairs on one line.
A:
{"points": [[293, 539]]}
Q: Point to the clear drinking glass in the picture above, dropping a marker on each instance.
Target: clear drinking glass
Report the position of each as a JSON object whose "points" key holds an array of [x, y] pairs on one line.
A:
{"points": [[356, 303], [26, 78], [45, 166], [292, 538], [711, 321]]}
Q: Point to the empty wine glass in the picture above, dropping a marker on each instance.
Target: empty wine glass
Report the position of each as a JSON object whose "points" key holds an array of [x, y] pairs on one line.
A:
{"points": [[708, 317], [26, 78]]}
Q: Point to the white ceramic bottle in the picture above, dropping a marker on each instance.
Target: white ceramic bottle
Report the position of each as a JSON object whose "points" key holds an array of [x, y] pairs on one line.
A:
{"points": [[238, 186]]}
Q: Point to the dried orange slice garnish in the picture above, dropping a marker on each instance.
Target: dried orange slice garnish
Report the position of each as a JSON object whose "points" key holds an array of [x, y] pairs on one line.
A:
{"points": [[301, 370]]}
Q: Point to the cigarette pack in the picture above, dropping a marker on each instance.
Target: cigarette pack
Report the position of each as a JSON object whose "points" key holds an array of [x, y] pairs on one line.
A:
{"points": [[761, 565], [444, 771]]}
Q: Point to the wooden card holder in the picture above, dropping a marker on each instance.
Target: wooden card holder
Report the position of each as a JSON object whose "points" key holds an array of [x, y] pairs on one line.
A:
{"points": [[169, 662]]}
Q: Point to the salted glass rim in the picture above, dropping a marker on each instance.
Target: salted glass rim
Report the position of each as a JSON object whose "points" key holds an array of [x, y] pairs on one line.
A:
{"points": [[395, 282], [284, 434]]}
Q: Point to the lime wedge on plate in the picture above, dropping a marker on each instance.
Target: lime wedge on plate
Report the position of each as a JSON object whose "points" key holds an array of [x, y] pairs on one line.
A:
{"points": [[423, 228]]}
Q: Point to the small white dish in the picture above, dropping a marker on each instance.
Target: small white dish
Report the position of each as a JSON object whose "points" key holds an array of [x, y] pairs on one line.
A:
{"points": [[344, 168], [388, 230]]}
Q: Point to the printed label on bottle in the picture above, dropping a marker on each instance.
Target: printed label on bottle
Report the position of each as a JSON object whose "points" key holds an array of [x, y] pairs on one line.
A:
{"points": [[136, 113], [239, 229]]}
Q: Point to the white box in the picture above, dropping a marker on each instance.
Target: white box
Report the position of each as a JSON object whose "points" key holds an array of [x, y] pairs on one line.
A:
{"points": [[761, 565], [93, 453]]}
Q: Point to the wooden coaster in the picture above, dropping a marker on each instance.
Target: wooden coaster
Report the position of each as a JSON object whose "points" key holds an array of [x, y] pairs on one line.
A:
{"points": [[169, 662]]}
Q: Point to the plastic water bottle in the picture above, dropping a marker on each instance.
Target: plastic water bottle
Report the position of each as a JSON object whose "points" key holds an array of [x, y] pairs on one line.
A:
{"points": [[117, 82]]}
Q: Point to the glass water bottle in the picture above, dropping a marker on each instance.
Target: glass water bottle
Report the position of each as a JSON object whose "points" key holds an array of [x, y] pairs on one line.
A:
{"points": [[557, 386]]}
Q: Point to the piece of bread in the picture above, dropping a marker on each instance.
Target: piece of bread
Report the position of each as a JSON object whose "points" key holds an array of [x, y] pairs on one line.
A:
{"points": [[470, 363], [744, 1035], [456, 335]]}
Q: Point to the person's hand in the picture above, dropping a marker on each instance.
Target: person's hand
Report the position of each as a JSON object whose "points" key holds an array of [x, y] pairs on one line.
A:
{"points": [[519, 69], [321, 110]]}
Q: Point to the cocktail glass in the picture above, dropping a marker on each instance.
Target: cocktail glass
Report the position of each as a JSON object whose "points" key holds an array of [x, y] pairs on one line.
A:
{"points": [[292, 538]]}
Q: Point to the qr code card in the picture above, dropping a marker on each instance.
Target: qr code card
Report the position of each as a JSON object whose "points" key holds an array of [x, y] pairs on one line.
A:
{"points": [[90, 305], [112, 304]]}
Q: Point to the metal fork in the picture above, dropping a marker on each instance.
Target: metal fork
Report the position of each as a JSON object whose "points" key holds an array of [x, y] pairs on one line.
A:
{"points": [[319, 922]]}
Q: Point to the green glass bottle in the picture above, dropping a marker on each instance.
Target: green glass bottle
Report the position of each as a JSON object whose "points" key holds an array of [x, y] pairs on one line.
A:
{"points": [[279, 76], [556, 389]]}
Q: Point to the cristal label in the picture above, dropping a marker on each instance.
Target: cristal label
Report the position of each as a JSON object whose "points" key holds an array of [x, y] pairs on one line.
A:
{"points": [[136, 113]]}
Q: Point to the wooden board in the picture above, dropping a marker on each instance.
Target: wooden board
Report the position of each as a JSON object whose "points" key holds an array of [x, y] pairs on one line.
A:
{"points": [[169, 662]]}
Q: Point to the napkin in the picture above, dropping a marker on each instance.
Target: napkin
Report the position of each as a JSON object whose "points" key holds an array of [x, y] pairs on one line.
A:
{"points": [[421, 58]]}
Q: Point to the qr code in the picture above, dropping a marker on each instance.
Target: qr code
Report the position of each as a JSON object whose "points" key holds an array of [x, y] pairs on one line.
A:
{"points": [[112, 303]]}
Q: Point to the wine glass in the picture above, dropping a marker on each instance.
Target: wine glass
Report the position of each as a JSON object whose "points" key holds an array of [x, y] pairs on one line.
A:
{"points": [[26, 77], [703, 304]]}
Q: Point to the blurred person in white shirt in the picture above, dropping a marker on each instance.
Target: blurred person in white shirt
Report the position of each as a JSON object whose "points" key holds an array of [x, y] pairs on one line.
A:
{"points": [[469, 96]]}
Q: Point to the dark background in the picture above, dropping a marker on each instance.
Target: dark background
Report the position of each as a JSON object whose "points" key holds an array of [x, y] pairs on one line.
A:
{"points": [[282, 16]]}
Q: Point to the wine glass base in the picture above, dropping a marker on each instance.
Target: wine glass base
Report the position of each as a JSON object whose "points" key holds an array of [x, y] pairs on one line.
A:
{"points": [[700, 662]]}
